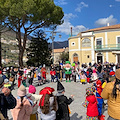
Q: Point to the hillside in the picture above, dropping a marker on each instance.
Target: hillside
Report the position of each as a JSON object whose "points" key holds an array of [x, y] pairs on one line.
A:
{"points": [[59, 44]]}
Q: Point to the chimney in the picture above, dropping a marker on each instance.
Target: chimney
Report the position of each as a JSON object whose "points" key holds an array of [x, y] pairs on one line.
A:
{"points": [[71, 31], [108, 24]]}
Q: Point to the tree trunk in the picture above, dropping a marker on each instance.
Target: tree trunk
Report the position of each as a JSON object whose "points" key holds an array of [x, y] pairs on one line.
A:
{"points": [[22, 46], [21, 56]]}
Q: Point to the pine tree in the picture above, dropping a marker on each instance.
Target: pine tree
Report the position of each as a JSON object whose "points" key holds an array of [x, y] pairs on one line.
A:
{"points": [[39, 52]]}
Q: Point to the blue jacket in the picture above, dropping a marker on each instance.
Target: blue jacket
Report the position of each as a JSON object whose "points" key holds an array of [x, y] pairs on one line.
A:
{"points": [[6, 102]]}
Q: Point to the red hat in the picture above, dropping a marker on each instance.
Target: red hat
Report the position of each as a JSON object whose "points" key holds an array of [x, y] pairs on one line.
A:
{"points": [[98, 83], [87, 72], [112, 73], [44, 91]]}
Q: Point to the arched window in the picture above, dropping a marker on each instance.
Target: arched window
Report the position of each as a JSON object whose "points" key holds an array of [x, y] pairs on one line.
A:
{"points": [[86, 42]]}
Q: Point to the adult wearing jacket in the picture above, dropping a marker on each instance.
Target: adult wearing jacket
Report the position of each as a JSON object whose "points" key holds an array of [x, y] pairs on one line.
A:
{"points": [[23, 109], [111, 92], [63, 102], [7, 101]]}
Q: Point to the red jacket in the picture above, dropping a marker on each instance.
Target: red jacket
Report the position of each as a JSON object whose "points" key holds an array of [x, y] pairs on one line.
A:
{"points": [[52, 72], [92, 109]]}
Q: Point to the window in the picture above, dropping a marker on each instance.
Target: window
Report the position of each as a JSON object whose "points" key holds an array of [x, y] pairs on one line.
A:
{"points": [[86, 42], [118, 40], [99, 43], [73, 44]]}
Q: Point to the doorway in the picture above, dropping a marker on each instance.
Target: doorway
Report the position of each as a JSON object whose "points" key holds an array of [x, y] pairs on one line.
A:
{"points": [[75, 57], [100, 59]]}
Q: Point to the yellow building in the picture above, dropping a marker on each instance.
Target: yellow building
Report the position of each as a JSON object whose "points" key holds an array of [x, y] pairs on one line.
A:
{"points": [[96, 45]]}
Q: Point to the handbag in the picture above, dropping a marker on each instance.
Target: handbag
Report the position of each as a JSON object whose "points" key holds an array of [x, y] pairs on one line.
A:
{"points": [[11, 79]]}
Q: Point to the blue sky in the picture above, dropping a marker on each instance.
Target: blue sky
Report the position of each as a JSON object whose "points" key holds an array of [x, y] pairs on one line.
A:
{"points": [[86, 14]]}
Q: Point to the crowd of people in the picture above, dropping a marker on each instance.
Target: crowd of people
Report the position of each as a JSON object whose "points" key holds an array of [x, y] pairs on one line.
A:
{"points": [[103, 80], [27, 105]]}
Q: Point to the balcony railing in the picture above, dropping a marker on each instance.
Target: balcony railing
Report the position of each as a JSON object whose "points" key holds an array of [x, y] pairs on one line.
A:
{"points": [[108, 47]]}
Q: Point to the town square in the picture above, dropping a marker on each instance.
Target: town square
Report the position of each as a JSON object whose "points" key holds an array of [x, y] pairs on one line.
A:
{"points": [[59, 60]]}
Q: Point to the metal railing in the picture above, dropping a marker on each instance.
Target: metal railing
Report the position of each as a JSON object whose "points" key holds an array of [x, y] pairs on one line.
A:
{"points": [[108, 47]]}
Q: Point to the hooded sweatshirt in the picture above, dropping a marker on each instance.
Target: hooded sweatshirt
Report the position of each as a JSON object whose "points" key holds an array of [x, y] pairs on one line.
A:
{"points": [[92, 109]]}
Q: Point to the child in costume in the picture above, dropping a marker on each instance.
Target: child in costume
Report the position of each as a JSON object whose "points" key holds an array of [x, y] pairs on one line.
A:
{"points": [[52, 73], [68, 70], [19, 80], [74, 72], [88, 76], [39, 79], [43, 71], [82, 77], [99, 99], [48, 104], [35, 98], [63, 102], [91, 104], [94, 74]]}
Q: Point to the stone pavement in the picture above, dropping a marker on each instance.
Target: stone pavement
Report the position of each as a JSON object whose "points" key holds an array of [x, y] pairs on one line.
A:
{"points": [[78, 112]]}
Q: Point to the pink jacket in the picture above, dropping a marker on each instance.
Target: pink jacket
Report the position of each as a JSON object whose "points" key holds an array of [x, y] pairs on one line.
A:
{"points": [[22, 113]]}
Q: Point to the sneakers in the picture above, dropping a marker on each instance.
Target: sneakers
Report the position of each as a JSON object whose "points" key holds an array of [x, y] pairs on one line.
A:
{"points": [[66, 81], [101, 117], [69, 80]]}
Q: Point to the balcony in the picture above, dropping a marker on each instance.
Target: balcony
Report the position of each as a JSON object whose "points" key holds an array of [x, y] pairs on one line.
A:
{"points": [[109, 47]]}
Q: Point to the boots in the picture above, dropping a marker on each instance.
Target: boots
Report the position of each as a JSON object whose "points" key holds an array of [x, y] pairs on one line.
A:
{"points": [[101, 117]]}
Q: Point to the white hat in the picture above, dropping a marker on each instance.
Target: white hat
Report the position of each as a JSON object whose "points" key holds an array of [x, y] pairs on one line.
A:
{"points": [[6, 80]]}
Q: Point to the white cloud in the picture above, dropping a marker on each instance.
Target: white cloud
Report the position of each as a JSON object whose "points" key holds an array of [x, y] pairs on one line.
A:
{"points": [[66, 26], [103, 21], [60, 2], [117, 0], [80, 6], [110, 5]]}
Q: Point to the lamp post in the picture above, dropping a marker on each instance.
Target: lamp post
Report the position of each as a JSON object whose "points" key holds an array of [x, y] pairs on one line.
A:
{"points": [[52, 38]]}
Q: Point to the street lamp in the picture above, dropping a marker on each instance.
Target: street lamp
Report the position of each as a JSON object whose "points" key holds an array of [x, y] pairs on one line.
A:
{"points": [[52, 38]]}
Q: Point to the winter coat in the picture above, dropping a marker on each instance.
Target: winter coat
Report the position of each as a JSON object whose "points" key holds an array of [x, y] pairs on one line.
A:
{"points": [[113, 104], [52, 73], [6, 102], [51, 115], [63, 111], [22, 112], [92, 109]]}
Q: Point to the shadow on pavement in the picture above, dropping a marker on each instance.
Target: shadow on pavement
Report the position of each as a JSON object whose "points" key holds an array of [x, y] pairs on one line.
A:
{"points": [[75, 117]]}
